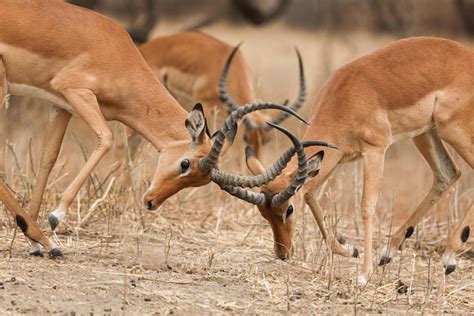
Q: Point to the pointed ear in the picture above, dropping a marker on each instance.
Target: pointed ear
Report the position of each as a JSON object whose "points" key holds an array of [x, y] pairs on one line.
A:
{"points": [[253, 163], [314, 163], [196, 124]]}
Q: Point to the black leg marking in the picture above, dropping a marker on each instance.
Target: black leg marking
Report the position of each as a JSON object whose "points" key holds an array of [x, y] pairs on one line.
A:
{"points": [[465, 233], [409, 231], [53, 221], [384, 261], [355, 253], [22, 223], [449, 269]]}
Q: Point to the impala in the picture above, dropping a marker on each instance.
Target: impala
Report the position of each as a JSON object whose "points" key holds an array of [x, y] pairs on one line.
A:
{"points": [[417, 88], [189, 65], [95, 72]]}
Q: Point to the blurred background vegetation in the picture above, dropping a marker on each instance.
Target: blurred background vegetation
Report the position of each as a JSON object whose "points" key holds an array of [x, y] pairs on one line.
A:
{"points": [[403, 17]]}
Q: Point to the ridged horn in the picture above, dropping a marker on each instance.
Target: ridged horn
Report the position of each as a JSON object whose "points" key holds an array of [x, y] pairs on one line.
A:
{"points": [[224, 95], [297, 181], [209, 162], [224, 178], [280, 117], [255, 198]]}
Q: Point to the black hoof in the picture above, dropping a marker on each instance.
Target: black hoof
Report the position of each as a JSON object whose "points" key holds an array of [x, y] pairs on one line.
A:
{"points": [[384, 261], [53, 221], [355, 253], [37, 253], [54, 253], [449, 269]]}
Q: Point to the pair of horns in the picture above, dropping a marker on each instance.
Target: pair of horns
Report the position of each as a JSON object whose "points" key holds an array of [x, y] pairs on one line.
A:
{"points": [[224, 95], [209, 162], [234, 184]]}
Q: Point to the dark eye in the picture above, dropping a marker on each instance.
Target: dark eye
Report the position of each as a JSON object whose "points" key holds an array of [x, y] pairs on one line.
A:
{"points": [[184, 165], [289, 211]]}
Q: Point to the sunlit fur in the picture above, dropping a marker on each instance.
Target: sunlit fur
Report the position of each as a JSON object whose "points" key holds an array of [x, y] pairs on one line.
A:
{"points": [[169, 179]]}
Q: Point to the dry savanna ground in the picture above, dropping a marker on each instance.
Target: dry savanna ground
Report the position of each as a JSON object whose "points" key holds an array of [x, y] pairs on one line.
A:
{"points": [[206, 252]]}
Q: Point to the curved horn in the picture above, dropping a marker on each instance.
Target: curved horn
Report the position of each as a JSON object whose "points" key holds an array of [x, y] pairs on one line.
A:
{"points": [[255, 198], [224, 95], [224, 178], [208, 162], [297, 181], [280, 117]]}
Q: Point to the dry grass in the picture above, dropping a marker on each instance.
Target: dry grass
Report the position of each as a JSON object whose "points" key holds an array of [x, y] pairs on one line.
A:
{"points": [[206, 252]]}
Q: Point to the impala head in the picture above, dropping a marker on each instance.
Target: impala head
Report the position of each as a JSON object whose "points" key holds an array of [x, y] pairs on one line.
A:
{"points": [[257, 132], [274, 199], [190, 163], [178, 164]]}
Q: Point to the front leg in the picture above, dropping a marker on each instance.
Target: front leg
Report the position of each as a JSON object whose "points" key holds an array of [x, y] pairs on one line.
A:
{"points": [[86, 106], [373, 161], [336, 243]]}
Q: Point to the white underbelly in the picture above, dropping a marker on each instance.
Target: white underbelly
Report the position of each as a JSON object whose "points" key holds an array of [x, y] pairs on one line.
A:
{"points": [[410, 134], [24, 90]]}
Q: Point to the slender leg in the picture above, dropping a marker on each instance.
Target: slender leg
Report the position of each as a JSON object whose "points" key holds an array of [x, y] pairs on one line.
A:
{"points": [[445, 175], [85, 104], [460, 236], [3, 83], [373, 161], [53, 138], [134, 141], [28, 226], [335, 242]]}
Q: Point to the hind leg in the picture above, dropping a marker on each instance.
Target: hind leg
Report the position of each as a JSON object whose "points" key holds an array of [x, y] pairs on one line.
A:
{"points": [[3, 83], [53, 137], [24, 221], [459, 237], [28, 226], [445, 174], [455, 126]]}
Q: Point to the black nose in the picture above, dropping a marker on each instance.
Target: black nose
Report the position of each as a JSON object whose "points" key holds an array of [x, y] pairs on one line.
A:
{"points": [[282, 257], [149, 205]]}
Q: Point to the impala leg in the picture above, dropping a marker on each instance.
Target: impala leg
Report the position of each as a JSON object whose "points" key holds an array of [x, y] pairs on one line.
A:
{"points": [[134, 141], [86, 106], [337, 244], [3, 83], [53, 138], [373, 161], [445, 175], [460, 236], [28, 226]]}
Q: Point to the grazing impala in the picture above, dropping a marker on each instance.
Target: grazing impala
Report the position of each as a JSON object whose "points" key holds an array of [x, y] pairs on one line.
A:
{"points": [[417, 88], [87, 65], [189, 64]]}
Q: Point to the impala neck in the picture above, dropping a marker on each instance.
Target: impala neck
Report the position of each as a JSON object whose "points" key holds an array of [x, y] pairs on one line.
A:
{"points": [[155, 115]]}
